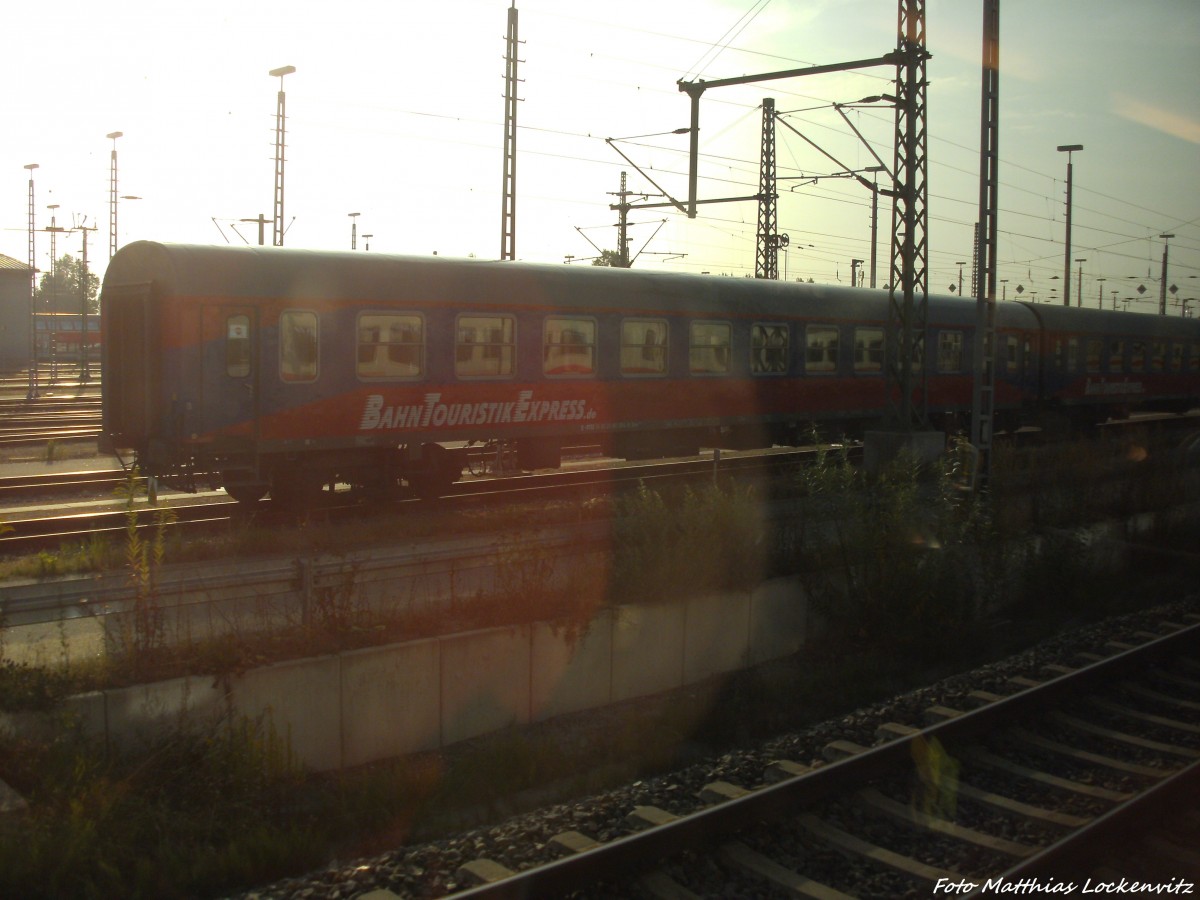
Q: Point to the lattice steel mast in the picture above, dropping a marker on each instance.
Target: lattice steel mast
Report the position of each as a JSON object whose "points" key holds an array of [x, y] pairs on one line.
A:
{"points": [[112, 195], [508, 215], [766, 262], [908, 293], [983, 399], [280, 145], [32, 392]]}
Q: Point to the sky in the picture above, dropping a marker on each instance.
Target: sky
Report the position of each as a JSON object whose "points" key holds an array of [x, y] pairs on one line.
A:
{"points": [[396, 112]]}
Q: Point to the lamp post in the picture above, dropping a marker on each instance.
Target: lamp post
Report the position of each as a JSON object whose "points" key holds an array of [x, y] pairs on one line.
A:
{"points": [[960, 270], [85, 373], [112, 194], [280, 126], [873, 186], [367, 242], [131, 197], [1162, 288], [1079, 289], [53, 245], [1101, 281], [32, 392], [354, 230], [1068, 149]]}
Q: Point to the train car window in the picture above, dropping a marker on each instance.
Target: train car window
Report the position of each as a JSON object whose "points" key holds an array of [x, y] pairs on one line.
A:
{"points": [[820, 348], [391, 346], [1137, 356], [1094, 349], [768, 349], [708, 348], [1116, 356], [643, 347], [1073, 355], [298, 345], [569, 347], [950, 351], [1011, 356], [237, 346], [485, 346], [1158, 357], [868, 349], [1028, 357], [1177, 357]]}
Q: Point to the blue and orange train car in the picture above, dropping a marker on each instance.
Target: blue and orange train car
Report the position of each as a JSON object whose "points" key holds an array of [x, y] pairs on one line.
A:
{"points": [[284, 370]]}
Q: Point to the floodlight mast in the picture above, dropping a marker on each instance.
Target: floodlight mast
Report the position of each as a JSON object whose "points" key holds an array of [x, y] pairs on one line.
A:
{"points": [[280, 145]]}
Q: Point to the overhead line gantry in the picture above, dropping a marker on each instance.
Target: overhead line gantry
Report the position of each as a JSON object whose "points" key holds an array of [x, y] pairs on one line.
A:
{"points": [[908, 288]]}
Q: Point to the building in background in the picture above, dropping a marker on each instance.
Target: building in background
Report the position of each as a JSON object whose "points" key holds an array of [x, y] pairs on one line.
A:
{"points": [[14, 313]]}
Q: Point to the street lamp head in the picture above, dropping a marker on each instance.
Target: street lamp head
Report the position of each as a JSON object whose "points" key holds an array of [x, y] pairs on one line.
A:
{"points": [[1067, 148], [32, 166], [352, 215], [115, 134], [282, 70]]}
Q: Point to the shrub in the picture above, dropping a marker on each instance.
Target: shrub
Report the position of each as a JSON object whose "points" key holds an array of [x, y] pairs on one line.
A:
{"points": [[675, 545]]}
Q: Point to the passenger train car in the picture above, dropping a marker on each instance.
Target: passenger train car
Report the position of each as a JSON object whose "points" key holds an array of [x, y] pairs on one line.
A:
{"points": [[284, 370]]}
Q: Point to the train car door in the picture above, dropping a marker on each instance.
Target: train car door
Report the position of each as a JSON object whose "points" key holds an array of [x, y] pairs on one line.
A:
{"points": [[131, 371], [230, 388]]}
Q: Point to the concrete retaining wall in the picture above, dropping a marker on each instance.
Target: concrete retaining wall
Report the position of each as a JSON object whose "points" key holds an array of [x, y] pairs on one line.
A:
{"points": [[366, 705]]}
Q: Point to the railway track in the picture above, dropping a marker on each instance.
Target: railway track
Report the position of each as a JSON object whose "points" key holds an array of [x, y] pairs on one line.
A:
{"points": [[42, 532], [66, 408], [1071, 761], [49, 418], [38, 532], [1086, 775]]}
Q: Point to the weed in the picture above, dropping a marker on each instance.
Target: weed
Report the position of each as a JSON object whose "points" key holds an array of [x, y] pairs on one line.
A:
{"points": [[25, 688], [890, 556], [142, 632], [678, 544], [192, 814]]}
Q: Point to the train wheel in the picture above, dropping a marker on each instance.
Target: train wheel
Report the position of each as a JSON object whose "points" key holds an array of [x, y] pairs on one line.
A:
{"points": [[377, 489], [296, 490], [246, 493], [440, 469]]}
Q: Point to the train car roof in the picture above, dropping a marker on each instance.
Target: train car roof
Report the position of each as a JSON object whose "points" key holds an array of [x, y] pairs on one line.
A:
{"points": [[1110, 322], [312, 277]]}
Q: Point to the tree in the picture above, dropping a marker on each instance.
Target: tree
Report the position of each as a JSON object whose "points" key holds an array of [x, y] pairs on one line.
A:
{"points": [[59, 290], [608, 258]]}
